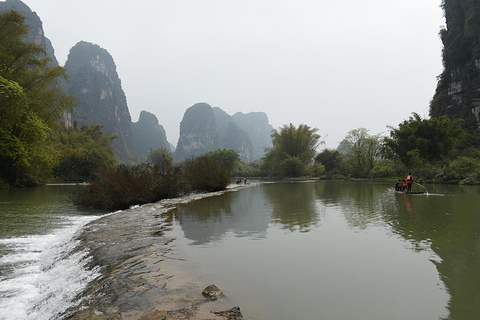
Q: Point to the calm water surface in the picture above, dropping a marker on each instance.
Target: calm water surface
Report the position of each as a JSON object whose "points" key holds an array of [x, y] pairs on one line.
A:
{"points": [[339, 250], [316, 250]]}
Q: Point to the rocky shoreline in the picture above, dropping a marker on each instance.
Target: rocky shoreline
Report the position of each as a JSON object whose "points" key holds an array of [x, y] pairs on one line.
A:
{"points": [[142, 277]]}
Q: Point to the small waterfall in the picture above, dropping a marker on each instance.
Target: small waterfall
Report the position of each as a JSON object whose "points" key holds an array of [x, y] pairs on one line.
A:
{"points": [[43, 272]]}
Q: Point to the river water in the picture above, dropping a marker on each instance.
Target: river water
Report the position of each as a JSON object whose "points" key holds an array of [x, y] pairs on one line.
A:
{"points": [[308, 250]]}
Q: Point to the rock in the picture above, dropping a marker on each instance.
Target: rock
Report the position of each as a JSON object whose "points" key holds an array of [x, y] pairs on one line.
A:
{"points": [[232, 314], [95, 84], [198, 132], [458, 89], [204, 129], [154, 314], [212, 292], [148, 134]]}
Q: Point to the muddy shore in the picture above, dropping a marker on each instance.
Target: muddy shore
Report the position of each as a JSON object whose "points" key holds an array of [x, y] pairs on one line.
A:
{"points": [[141, 272]]}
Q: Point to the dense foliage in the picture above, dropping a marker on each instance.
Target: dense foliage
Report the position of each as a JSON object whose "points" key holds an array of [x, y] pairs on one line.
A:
{"points": [[161, 158], [30, 105], [417, 141], [210, 172], [123, 186], [333, 162], [361, 151], [293, 150], [82, 151], [438, 149]]}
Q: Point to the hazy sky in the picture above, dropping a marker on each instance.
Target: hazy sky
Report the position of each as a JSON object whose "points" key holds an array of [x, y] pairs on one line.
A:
{"points": [[333, 65]]}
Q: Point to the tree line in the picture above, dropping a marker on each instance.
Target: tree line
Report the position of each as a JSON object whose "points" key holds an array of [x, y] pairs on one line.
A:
{"points": [[439, 150], [35, 146]]}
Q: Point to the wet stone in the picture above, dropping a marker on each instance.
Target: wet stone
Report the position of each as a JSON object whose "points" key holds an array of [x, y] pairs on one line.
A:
{"points": [[232, 314], [212, 292]]}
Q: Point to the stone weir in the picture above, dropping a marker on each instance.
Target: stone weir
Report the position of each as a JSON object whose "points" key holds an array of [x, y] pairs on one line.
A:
{"points": [[142, 274]]}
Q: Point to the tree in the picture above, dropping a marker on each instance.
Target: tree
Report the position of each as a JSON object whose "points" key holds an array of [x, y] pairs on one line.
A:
{"points": [[162, 158], [417, 140], [25, 150], [83, 151], [332, 160], [28, 65], [293, 149], [361, 151], [206, 173], [228, 158], [30, 104]]}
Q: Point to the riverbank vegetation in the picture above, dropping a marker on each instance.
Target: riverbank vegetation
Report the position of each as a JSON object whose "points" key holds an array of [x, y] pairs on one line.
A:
{"points": [[293, 149], [31, 103], [437, 150], [35, 145], [122, 186]]}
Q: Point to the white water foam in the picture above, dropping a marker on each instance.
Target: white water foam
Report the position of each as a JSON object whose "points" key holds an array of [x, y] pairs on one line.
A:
{"points": [[46, 275]]}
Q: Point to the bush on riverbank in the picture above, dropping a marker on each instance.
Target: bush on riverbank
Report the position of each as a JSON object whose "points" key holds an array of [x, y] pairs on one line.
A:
{"points": [[206, 174], [121, 187], [462, 170]]}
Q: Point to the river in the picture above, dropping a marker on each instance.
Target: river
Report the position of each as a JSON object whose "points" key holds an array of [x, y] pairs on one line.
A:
{"points": [[306, 250]]}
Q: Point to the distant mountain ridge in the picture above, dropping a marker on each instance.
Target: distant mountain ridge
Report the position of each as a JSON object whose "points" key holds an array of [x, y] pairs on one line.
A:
{"points": [[259, 130], [148, 134], [198, 132], [96, 85], [232, 136], [205, 129]]}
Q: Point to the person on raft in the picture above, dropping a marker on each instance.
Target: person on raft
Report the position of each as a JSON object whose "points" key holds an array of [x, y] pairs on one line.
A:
{"points": [[409, 182], [399, 185]]}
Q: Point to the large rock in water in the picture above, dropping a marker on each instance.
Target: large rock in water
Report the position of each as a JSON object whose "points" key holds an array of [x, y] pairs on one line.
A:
{"points": [[148, 134], [458, 89], [95, 84]]}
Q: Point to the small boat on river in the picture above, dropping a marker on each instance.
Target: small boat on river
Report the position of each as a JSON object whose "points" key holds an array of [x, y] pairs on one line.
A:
{"points": [[410, 192]]}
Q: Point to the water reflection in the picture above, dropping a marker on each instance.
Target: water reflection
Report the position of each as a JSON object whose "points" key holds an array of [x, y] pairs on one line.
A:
{"points": [[360, 202], [443, 226], [449, 223], [243, 213], [293, 205]]}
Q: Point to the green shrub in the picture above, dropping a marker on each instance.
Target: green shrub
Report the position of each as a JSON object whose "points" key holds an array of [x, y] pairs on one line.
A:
{"points": [[206, 174], [121, 187], [465, 166], [292, 166], [316, 170], [388, 168]]}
